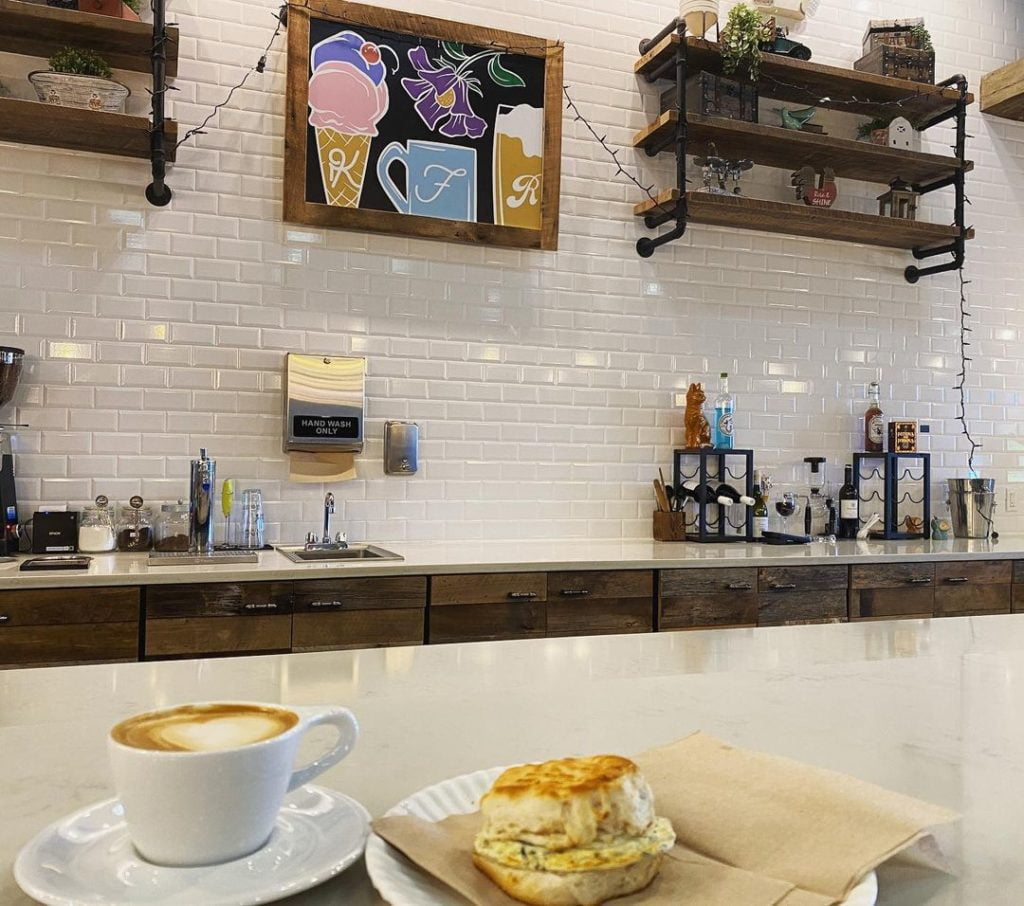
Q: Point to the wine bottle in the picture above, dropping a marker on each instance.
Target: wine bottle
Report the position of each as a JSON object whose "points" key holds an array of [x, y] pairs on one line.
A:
{"points": [[849, 507], [724, 408], [760, 507], [704, 493], [730, 494], [873, 421]]}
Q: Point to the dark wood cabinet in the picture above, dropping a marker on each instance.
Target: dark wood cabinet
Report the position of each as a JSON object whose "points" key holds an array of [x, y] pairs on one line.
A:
{"points": [[365, 612], [790, 595], [888, 591], [52, 626], [209, 619], [1018, 586], [600, 602], [973, 587], [702, 598], [487, 607]]}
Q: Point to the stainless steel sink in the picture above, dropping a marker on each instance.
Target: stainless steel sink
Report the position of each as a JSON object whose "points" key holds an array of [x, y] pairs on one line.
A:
{"points": [[297, 553]]}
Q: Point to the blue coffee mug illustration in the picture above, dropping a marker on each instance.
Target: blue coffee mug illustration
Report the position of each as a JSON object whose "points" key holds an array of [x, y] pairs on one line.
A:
{"points": [[440, 180]]}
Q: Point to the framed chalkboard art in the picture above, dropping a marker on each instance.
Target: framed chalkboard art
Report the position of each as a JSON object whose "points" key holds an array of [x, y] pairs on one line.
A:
{"points": [[400, 123]]}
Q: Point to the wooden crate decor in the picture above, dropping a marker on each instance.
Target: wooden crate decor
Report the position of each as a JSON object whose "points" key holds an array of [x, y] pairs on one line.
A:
{"points": [[708, 94], [894, 32], [899, 63], [406, 124]]}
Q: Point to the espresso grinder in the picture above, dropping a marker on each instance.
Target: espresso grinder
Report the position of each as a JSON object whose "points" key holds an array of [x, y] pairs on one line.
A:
{"points": [[10, 373]]}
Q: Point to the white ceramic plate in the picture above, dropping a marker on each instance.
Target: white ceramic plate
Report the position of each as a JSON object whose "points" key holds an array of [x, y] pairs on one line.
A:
{"points": [[401, 883], [86, 859]]}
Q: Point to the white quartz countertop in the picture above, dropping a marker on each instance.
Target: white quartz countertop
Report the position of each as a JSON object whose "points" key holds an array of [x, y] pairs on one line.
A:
{"points": [[931, 708], [497, 556]]}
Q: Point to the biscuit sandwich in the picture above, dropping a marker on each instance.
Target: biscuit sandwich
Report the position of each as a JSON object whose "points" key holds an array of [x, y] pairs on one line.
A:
{"points": [[572, 832]]}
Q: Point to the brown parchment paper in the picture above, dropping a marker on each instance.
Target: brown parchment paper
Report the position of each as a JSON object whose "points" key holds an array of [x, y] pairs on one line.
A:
{"points": [[752, 830]]}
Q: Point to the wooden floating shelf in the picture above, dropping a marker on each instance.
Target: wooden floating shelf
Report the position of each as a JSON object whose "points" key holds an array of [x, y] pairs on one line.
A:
{"points": [[801, 220], [1002, 92], [774, 146], [40, 31], [33, 123], [807, 83]]}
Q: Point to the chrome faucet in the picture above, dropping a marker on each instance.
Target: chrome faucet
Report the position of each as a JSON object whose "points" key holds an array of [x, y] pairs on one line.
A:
{"points": [[325, 543]]}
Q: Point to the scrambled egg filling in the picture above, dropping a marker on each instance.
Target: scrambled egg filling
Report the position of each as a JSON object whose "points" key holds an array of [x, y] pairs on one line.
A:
{"points": [[612, 853]]}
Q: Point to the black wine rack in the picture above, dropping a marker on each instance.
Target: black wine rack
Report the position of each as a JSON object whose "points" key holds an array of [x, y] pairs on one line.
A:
{"points": [[897, 474], [711, 520]]}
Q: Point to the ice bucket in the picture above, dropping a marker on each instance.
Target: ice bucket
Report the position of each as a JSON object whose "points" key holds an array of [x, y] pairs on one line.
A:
{"points": [[971, 502]]}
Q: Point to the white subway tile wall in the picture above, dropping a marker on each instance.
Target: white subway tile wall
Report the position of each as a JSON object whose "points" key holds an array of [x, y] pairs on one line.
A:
{"points": [[545, 384]]}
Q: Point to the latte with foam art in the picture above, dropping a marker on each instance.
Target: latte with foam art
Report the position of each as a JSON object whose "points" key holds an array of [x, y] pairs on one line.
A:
{"points": [[204, 728]]}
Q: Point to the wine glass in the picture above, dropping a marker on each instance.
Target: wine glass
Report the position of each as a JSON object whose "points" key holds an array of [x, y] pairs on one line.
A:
{"points": [[787, 506]]}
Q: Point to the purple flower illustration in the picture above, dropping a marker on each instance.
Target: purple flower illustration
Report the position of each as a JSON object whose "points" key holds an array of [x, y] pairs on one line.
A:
{"points": [[442, 93]]}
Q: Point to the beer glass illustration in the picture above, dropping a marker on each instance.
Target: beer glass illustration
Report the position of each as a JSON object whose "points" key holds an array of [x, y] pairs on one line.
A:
{"points": [[440, 179], [518, 143]]}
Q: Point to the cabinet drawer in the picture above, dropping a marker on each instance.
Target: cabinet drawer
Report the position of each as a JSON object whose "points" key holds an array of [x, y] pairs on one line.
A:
{"points": [[695, 611], [974, 572], [357, 629], [622, 583], [487, 622], [893, 575], [224, 599], [201, 636], [488, 588], [706, 581], [891, 603], [775, 579], [72, 644], [1018, 571], [781, 607], [62, 606], [399, 592], [967, 600], [601, 616]]}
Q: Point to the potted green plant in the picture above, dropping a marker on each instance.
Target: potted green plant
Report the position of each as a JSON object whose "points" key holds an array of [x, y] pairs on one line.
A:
{"points": [[875, 131], [79, 78], [741, 41], [120, 9]]}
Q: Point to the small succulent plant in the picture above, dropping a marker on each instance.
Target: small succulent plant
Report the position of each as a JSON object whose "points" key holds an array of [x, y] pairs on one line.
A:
{"points": [[879, 122], [80, 62], [921, 37], [741, 42], [133, 5]]}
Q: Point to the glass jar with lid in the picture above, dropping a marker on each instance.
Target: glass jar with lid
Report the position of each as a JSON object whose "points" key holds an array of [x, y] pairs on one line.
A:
{"points": [[172, 527], [135, 527], [96, 528]]}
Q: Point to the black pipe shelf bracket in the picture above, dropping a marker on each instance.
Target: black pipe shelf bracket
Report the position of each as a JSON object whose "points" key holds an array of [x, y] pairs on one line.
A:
{"points": [[676, 209], [158, 193]]}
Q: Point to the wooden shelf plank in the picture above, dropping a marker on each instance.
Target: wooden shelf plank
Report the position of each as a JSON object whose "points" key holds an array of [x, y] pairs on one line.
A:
{"points": [[773, 146], [813, 83], [801, 220], [40, 31], [1002, 92], [32, 123]]}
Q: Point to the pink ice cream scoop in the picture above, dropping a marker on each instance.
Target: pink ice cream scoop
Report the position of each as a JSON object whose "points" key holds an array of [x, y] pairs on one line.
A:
{"points": [[343, 97]]}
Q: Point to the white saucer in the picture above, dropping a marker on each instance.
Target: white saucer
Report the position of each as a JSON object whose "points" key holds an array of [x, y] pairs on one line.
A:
{"points": [[86, 859]]}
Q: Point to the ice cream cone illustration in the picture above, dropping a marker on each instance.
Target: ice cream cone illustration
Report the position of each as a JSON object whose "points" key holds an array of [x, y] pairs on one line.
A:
{"points": [[348, 96]]}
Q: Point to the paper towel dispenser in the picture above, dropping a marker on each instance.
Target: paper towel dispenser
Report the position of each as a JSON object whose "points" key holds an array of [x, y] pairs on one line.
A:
{"points": [[324, 402]]}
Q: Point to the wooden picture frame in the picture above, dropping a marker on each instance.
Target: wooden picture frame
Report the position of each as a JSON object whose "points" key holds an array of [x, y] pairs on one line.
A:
{"points": [[318, 188]]}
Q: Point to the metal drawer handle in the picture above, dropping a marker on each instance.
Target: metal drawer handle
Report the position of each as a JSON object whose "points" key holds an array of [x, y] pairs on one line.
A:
{"points": [[923, 580], [271, 605], [780, 586], [4, 619], [522, 595], [742, 586], [958, 580], [325, 603], [575, 592]]}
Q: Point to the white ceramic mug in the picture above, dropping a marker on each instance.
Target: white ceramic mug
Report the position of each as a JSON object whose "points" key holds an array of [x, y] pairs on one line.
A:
{"points": [[205, 807]]}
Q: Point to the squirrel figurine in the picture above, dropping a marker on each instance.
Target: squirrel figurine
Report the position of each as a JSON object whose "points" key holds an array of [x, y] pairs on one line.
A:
{"points": [[698, 431]]}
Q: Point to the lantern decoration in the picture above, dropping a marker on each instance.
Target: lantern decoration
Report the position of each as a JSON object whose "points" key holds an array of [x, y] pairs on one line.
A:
{"points": [[700, 15], [900, 201]]}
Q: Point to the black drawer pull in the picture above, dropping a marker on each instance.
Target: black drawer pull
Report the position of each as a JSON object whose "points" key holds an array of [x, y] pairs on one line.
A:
{"points": [[923, 580], [742, 586], [323, 604], [270, 605], [4, 619], [781, 586], [958, 580], [522, 595], [575, 592]]}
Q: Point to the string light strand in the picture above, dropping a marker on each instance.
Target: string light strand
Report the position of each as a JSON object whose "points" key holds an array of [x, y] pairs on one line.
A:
{"points": [[961, 384]]}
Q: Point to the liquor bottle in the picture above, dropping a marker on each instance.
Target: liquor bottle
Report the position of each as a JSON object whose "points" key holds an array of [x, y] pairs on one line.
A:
{"points": [[702, 493], [873, 421], [724, 406], [849, 507], [726, 492], [760, 507]]}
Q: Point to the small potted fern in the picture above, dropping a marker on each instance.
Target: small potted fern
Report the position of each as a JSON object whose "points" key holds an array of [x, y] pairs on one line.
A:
{"points": [[741, 41], [79, 78]]}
